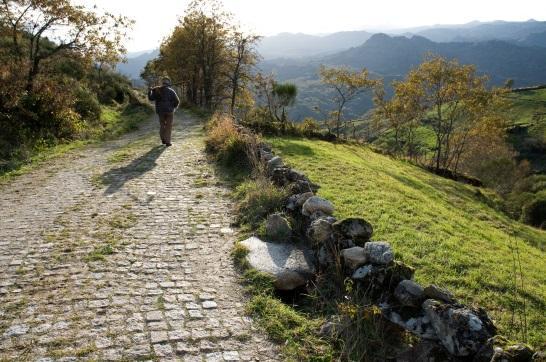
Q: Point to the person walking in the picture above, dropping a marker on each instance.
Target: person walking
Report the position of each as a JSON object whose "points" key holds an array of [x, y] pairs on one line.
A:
{"points": [[166, 103]]}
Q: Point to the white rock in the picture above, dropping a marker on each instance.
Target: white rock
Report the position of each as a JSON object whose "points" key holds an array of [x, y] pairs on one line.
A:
{"points": [[290, 266], [209, 304]]}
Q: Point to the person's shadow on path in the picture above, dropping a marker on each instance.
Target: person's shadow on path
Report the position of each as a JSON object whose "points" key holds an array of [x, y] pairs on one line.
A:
{"points": [[115, 178]]}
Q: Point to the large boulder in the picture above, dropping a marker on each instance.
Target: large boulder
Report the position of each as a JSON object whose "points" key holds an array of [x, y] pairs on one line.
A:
{"points": [[409, 294], [277, 228], [378, 252], [353, 257], [290, 266], [463, 331], [315, 204], [356, 229]]}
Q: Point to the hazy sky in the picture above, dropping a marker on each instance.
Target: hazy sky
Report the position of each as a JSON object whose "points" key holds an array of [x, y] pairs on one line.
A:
{"points": [[155, 19]]}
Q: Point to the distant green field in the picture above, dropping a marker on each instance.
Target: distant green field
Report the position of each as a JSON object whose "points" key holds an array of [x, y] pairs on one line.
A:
{"points": [[441, 227], [528, 114], [529, 108]]}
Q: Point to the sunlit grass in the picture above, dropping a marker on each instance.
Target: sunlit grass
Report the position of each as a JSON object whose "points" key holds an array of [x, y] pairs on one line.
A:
{"points": [[439, 226]]}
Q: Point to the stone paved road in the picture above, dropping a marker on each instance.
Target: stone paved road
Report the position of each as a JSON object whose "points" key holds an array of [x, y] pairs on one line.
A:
{"points": [[121, 252]]}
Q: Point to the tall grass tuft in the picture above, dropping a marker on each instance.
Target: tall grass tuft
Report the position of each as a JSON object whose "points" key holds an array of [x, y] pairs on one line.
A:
{"points": [[256, 199]]}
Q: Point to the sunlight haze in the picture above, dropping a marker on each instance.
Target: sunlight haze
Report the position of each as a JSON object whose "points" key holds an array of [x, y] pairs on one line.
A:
{"points": [[155, 20]]}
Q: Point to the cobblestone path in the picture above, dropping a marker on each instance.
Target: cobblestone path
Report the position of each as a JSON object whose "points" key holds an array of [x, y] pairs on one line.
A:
{"points": [[121, 252]]}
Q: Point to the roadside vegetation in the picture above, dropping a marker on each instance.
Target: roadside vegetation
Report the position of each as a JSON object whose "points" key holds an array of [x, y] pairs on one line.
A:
{"points": [[59, 91]]}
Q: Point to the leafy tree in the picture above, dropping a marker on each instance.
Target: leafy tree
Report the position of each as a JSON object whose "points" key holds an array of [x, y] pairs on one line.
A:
{"points": [[150, 73], [450, 98], [242, 57], [208, 56], [347, 85], [399, 115], [65, 26]]}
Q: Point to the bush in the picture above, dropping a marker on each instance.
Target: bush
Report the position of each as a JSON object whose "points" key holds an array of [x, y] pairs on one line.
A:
{"points": [[230, 146], [258, 198], [309, 127], [87, 105], [534, 212], [260, 121]]}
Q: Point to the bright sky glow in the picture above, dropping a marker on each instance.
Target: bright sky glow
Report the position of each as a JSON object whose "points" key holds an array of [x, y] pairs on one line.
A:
{"points": [[155, 19]]}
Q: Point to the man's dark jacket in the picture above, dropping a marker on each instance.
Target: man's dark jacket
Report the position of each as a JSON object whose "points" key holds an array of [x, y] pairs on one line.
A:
{"points": [[166, 100]]}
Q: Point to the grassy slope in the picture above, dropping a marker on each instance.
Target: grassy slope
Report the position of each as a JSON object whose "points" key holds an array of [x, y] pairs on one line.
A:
{"points": [[114, 122], [439, 226]]}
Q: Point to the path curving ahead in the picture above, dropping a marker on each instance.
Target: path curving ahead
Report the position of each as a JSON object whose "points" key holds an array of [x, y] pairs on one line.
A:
{"points": [[121, 252]]}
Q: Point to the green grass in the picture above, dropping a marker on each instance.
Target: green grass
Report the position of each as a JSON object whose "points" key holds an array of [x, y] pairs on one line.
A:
{"points": [[294, 331], [99, 253], [114, 122], [526, 107], [117, 120], [441, 227]]}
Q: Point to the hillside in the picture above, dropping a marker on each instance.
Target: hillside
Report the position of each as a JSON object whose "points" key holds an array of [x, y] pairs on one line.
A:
{"points": [[439, 226]]}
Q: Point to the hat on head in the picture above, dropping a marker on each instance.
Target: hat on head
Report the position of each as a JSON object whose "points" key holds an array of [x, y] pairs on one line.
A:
{"points": [[166, 81]]}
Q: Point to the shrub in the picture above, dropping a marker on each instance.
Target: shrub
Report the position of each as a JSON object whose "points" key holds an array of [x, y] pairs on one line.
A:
{"points": [[258, 198], [534, 212], [309, 127], [231, 147], [261, 121], [87, 105]]}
